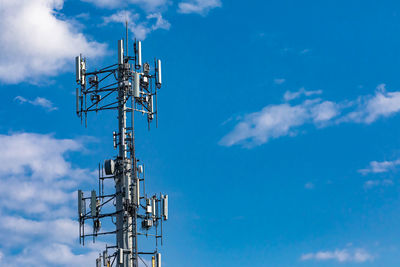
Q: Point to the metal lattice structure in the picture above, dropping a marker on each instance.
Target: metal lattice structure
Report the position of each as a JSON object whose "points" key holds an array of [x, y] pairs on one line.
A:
{"points": [[128, 86]]}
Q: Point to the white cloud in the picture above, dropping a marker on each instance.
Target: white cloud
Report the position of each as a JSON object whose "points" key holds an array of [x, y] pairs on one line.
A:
{"points": [[53, 254], [38, 101], [198, 6], [140, 30], [35, 177], [370, 108], [380, 167], [147, 5], [325, 111], [274, 121], [37, 199], [35, 154], [343, 255], [161, 23], [57, 230], [293, 95], [121, 17], [36, 42]]}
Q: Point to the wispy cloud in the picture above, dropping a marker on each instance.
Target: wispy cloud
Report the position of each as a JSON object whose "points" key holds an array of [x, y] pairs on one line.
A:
{"points": [[201, 7], [35, 42], [38, 101], [288, 96], [140, 29], [274, 121], [380, 166], [340, 255], [371, 107]]}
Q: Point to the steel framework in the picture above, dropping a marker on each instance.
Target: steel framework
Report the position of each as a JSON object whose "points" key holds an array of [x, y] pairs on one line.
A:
{"points": [[128, 86]]}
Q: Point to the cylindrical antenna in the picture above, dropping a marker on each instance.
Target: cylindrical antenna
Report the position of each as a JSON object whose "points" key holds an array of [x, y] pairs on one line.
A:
{"points": [[151, 106], [78, 68], [153, 205], [159, 80], [121, 256], [165, 207], [136, 85], [83, 70], [158, 259], [139, 54], [120, 52], [138, 192]]}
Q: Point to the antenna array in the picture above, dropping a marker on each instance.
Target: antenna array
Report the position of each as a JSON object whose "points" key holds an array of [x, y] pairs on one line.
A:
{"points": [[128, 86]]}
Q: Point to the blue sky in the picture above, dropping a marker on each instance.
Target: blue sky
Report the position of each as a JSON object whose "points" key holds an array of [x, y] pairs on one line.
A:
{"points": [[277, 139]]}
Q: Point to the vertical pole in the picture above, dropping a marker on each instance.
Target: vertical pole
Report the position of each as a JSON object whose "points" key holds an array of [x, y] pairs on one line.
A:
{"points": [[123, 181], [136, 198]]}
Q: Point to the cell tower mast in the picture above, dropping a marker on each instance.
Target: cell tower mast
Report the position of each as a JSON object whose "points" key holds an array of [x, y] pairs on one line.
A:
{"points": [[128, 87]]}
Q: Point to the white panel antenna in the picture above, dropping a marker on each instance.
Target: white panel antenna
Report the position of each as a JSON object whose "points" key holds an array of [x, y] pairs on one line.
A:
{"points": [[136, 85], [121, 256], [165, 207], [158, 259], [159, 78], [153, 205], [139, 54], [138, 192], [78, 68], [120, 52], [151, 104]]}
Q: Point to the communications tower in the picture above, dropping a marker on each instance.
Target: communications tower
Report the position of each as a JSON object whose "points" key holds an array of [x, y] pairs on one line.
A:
{"points": [[128, 212]]}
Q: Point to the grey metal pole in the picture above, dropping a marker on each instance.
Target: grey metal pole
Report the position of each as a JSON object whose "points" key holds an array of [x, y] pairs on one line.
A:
{"points": [[135, 198], [123, 181]]}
